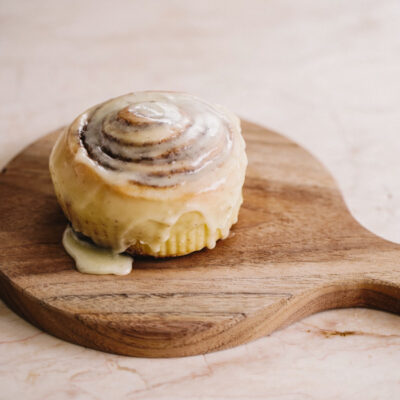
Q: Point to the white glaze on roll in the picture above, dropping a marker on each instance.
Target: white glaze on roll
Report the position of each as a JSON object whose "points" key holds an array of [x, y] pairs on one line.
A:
{"points": [[156, 139]]}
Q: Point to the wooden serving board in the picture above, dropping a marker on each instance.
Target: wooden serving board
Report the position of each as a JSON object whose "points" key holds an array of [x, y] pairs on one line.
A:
{"points": [[296, 250]]}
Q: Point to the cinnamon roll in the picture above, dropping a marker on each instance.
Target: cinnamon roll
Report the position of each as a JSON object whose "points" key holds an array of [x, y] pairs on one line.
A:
{"points": [[152, 173]]}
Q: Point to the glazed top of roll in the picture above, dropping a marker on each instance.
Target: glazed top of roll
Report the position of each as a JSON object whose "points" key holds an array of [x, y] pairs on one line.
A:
{"points": [[157, 140]]}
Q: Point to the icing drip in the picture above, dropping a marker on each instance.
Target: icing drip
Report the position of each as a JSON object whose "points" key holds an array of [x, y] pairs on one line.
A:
{"points": [[91, 259]]}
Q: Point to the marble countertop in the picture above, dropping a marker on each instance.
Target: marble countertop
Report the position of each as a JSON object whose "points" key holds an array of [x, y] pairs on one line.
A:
{"points": [[326, 74]]}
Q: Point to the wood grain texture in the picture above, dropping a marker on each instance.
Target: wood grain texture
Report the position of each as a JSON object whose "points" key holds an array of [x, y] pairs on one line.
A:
{"points": [[296, 250]]}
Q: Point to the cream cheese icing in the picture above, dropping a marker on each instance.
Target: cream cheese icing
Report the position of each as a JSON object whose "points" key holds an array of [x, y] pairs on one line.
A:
{"points": [[91, 259], [156, 139]]}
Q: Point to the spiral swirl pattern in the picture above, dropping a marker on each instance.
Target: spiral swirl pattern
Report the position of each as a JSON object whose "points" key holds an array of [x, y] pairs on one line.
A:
{"points": [[158, 139]]}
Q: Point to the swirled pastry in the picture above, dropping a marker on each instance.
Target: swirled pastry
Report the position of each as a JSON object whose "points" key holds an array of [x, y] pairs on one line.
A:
{"points": [[155, 173]]}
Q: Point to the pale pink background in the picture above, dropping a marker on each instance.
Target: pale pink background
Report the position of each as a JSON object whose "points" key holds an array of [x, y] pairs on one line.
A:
{"points": [[325, 73]]}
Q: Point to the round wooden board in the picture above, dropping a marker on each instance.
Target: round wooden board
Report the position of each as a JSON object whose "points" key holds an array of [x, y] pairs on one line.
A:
{"points": [[296, 250]]}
